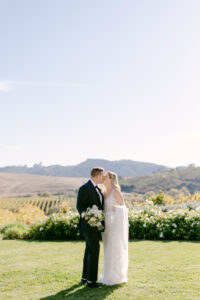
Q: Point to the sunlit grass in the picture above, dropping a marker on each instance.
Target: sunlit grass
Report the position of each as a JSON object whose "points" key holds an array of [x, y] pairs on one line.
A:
{"points": [[52, 270]]}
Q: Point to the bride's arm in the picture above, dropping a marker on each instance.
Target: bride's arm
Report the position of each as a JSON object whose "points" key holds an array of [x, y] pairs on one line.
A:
{"points": [[118, 197]]}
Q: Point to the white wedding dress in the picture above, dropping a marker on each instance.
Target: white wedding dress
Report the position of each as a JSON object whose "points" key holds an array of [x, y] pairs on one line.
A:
{"points": [[115, 242]]}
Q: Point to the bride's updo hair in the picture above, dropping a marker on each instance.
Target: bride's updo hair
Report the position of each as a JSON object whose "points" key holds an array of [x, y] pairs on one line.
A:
{"points": [[115, 184]]}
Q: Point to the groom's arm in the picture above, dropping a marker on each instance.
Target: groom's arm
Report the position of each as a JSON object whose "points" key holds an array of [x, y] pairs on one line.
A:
{"points": [[82, 199]]}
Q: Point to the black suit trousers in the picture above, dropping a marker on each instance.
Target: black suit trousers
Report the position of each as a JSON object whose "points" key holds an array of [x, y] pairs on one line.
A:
{"points": [[91, 255]]}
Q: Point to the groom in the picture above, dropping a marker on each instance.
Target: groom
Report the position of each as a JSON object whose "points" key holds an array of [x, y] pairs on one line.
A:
{"points": [[88, 195]]}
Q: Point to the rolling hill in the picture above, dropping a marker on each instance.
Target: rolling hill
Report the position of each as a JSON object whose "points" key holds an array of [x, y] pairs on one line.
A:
{"points": [[124, 168], [12, 184], [178, 178]]}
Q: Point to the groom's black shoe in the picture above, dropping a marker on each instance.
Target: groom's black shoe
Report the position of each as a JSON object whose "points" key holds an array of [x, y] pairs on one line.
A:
{"points": [[83, 281], [93, 285]]}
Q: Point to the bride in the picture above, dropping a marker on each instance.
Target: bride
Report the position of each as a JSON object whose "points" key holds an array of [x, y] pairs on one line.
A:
{"points": [[115, 236]]}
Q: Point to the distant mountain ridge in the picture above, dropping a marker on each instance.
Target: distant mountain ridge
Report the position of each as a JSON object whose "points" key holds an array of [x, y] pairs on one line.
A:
{"points": [[124, 168], [177, 178]]}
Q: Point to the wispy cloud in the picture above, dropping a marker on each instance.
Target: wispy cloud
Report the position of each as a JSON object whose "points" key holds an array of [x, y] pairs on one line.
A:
{"points": [[8, 84]]}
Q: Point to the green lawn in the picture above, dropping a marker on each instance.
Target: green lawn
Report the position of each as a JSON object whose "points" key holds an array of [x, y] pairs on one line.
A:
{"points": [[52, 270]]}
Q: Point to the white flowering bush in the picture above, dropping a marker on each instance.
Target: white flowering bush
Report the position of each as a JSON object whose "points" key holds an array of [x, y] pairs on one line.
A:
{"points": [[57, 226], [149, 222], [153, 223]]}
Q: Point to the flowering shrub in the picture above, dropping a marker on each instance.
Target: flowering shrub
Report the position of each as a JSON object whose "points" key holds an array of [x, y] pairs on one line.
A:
{"points": [[175, 224], [14, 231], [64, 207], [167, 199], [159, 199], [28, 213], [148, 222], [57, 226], [6, 216], [25, 214]]}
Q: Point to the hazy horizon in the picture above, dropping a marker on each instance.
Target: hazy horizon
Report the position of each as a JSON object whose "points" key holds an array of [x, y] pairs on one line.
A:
{"points": [[45, 165]]}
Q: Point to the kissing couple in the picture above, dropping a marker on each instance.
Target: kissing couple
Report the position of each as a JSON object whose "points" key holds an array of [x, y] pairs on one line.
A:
{"points": [[114, 234]]}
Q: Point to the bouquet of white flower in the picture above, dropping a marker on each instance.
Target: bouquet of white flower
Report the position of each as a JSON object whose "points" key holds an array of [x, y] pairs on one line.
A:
{"points": [[94, 217]]}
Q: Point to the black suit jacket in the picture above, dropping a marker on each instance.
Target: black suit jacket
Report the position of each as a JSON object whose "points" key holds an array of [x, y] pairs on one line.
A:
{"points": [[87, 197]]}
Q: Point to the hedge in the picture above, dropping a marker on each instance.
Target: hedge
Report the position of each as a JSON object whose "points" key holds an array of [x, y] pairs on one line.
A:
{"points": [[149, 222]]}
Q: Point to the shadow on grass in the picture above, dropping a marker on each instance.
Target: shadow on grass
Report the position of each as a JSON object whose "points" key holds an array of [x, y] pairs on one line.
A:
{"points": [[79, 291]]}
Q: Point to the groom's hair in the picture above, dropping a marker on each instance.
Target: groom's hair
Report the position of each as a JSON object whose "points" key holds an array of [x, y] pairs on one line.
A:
{"points": [[96, 171]]}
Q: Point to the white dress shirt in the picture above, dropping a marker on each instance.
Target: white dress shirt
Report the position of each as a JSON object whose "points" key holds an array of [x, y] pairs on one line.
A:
{"points": [[95, 185]]}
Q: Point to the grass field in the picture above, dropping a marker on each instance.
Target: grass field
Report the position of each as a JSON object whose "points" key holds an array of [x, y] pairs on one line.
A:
{"points": [[51, 270]]}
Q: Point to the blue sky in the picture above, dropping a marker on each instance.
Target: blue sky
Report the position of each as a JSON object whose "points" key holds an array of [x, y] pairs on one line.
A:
{"points": [[99, 79]]}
